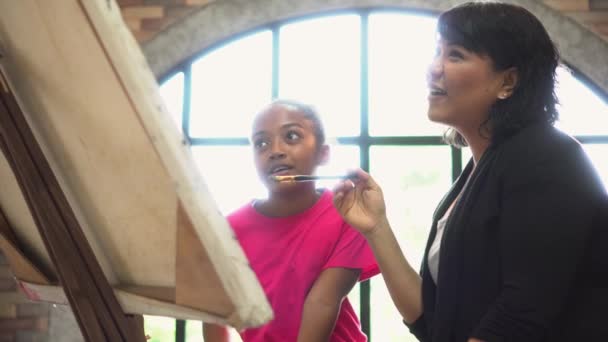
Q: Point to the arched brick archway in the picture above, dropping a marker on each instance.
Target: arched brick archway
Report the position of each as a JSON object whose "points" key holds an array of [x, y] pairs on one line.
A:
{"points": [[219, 20]]}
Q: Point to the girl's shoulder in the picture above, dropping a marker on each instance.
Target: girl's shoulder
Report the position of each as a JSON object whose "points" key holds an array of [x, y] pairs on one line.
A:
{"points": [[244, 210], [243, 214]]}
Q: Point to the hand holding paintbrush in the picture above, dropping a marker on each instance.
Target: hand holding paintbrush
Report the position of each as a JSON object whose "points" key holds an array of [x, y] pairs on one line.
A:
{"points": [[361, 203]]}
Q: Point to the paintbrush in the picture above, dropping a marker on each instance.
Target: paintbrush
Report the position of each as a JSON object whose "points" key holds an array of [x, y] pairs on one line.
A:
{"points": [[307, 178]]}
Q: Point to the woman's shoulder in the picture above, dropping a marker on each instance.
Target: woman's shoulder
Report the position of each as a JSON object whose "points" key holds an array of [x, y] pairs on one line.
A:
{"points": [[538, 144], [544, 152], [540, 137]]}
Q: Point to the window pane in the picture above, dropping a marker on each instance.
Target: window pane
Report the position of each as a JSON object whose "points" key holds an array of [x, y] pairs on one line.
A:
{"points": [[466, 156], [172, 92], [160, 329], [354, 297], [582, 112], [401, 46], [413, 180], [229, 85], [319, 64], [230, 175], [194, 332], [598, 153], [342, 158]]}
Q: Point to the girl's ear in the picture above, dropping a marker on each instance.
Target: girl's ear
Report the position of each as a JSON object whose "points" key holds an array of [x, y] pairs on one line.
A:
{"points": [[323, 155]]}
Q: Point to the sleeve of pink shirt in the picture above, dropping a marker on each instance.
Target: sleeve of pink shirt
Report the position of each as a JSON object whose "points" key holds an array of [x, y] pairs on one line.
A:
{"points": [[352, 251]]}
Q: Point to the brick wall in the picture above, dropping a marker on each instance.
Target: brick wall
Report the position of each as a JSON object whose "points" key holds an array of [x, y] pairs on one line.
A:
{"points": [[20, 319], [146, 18]]}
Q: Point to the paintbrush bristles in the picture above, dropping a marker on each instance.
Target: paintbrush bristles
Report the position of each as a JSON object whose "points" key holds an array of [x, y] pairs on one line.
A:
{"points": [[292, 178], [280, 179]]}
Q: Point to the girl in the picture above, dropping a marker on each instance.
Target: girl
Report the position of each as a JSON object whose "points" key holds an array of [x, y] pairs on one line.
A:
{"points": [[305, 256]]}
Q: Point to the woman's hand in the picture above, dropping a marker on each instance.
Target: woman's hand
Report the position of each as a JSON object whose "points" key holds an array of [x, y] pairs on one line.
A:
{"points": [[360, 202]]}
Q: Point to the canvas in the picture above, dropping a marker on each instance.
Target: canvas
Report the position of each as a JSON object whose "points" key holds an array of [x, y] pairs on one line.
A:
{"points": [[124, 167]]}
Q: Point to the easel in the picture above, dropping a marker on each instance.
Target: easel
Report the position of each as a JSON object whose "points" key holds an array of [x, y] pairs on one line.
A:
{"points": [[95, 307]]}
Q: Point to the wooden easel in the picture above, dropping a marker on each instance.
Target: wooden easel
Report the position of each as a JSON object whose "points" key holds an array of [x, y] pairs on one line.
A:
{"points": [[91, 297]]}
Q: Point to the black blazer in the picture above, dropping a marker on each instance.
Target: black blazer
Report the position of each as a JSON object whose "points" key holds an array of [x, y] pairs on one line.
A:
{"points": [[524, 255]]}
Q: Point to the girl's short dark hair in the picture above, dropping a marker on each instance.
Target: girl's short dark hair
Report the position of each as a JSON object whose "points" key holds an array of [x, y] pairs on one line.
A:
{"points": [[511, 37], [309, 112]]}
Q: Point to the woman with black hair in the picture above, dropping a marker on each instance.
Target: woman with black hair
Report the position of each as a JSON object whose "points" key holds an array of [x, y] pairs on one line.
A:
{"points": [[518, 248]]}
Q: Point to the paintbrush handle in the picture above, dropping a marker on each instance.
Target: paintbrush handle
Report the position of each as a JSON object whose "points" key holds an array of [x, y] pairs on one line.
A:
{"points": [[322, 177], [307, 178]]}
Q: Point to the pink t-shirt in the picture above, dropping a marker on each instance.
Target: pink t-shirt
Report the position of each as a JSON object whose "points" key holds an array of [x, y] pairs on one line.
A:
{"points": [[288, 254]]}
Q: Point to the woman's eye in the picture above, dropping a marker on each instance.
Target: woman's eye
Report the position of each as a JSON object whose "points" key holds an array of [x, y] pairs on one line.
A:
{"points": [[455, 54]]}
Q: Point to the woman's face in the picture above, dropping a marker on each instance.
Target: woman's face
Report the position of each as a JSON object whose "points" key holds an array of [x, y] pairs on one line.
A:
{"points": [[284, 143], [462, 87]]}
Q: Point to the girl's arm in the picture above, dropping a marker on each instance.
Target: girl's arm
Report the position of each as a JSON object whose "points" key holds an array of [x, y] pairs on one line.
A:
{"points": [[215, 333], [322, 304], [361, 204]]}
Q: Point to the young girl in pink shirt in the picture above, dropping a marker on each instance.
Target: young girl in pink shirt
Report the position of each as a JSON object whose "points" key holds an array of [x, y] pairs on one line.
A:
{"points": [[305, 256]]}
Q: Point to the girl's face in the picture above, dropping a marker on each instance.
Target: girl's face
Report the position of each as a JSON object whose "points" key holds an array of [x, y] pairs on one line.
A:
{"points": [[284, 143], [462, 87]]}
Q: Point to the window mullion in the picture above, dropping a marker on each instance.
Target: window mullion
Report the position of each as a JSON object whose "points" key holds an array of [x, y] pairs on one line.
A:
{"points": [[365, 287]]}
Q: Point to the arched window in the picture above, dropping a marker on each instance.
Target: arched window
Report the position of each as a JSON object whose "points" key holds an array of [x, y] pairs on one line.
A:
{"points": [[364, 70]]}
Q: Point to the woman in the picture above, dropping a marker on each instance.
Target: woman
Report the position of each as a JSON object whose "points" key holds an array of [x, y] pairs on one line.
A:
{"points": [[517, 249]]}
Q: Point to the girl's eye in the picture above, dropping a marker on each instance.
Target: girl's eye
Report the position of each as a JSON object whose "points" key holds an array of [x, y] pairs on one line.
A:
{"points": [[292, 135], [260, 144]]}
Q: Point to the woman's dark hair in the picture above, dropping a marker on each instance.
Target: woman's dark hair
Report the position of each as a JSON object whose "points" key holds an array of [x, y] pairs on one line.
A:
{"points": [[511, 37]]}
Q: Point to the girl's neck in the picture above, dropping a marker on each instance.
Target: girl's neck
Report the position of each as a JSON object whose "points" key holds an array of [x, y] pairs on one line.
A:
{"points": [[288, 203]]}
